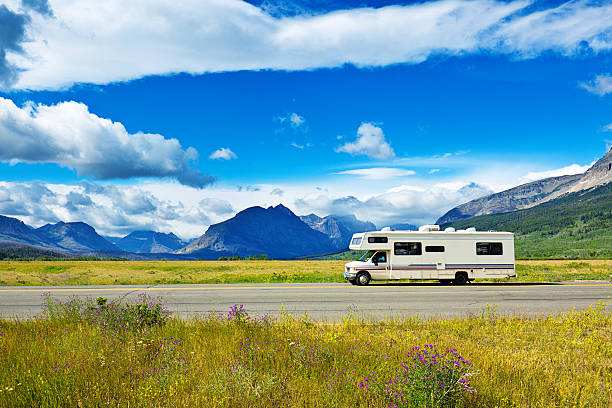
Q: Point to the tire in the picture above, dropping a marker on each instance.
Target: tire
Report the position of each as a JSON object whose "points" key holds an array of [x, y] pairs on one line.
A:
{"points": [[461, 278], [363, 278], [445, 281], [353, 281]]}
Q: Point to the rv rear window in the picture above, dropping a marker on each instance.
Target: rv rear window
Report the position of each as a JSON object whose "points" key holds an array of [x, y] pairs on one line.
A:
{"points": [[434, 248], [489, 248], [407, 248], [377, 240], [356, 241]]}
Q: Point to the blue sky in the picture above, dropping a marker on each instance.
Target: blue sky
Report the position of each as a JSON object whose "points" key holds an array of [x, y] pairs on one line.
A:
{"points": [[392, 111]]}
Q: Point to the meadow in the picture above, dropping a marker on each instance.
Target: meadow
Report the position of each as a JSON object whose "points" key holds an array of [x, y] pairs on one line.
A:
{"points": [[90, 353], [255, 271]]}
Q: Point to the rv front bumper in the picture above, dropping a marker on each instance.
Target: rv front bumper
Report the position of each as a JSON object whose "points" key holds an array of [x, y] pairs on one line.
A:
{"points": [[349, 274]]}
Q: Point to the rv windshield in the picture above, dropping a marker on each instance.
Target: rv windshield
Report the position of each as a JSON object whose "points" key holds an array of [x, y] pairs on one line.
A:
{"points": [[366, 255]]}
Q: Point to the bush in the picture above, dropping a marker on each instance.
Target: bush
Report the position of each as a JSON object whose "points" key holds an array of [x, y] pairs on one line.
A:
{"points": [[115, 316]]}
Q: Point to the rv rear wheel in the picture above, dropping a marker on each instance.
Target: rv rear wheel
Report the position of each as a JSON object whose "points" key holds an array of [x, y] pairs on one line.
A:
{"points": [[363, 278], [461, 278]]}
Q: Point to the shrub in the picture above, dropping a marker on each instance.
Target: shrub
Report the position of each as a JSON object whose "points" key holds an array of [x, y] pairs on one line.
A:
{"points": [[114, 316]]}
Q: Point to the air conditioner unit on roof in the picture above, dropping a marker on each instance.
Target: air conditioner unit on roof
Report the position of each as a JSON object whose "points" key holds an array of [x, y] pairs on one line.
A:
{"points": [[424, 228]]}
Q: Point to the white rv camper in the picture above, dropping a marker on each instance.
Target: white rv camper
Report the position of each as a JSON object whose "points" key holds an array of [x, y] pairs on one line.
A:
{"points": [[451, 255]]}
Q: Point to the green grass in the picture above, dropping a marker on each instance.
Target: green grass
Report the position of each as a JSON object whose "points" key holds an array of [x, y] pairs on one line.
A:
{"points": [[563, 360], [55, 273]]}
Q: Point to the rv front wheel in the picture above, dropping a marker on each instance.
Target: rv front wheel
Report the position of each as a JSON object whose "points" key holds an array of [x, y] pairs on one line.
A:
{"points": [[461, 278], [363, 278]]}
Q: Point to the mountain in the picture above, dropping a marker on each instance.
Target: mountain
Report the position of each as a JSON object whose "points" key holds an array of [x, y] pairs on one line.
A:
{"points": [[404, 227], [534, 193], [150, 242], [75, 237], [339, 229], [576, 225], [274, 231], [14, 230]]}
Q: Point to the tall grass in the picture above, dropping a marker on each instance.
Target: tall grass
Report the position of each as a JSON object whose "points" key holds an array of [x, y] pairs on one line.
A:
{"points": [[232, 359], [198, 272]]}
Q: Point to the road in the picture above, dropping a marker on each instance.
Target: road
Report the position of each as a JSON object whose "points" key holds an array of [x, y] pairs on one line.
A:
{"points": [[331, 301]]}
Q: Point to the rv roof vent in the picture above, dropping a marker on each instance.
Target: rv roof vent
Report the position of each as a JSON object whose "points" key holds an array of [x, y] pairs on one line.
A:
{"points": [[449, 229], [471, 229], [429, 228], [386, 229]]}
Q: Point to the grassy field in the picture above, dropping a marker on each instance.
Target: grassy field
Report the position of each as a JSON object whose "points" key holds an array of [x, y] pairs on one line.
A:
{"points": [[165, 272], [87, 355]]}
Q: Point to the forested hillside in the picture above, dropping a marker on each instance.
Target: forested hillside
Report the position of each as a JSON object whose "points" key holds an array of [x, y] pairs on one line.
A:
{"points": [[576, 225]]}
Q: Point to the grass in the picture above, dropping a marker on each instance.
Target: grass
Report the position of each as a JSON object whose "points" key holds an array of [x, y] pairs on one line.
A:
{"points": [[168, 272], [70, 357]]}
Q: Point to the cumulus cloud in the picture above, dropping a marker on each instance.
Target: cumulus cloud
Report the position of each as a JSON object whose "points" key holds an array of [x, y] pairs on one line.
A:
{"points": [[12, 34], [69, 135], [277, 192], [601, 85], [379, 173], [563, 171], [370, 142], [39, 6], [224, 153], [216, 206], [402, 204], [86, 38]]}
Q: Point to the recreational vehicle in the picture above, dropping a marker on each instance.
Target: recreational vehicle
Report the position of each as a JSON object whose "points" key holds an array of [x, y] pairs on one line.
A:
{"points": [[450, 256]]}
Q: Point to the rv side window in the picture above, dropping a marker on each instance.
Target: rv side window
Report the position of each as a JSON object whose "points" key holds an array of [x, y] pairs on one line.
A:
{"points": [[407, 248], [356, 241], [489, 248], [377, 240], [434, 248]]}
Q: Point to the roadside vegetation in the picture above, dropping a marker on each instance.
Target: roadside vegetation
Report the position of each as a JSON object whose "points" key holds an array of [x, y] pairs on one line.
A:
{"points": [[94, 353], [246, 271]]}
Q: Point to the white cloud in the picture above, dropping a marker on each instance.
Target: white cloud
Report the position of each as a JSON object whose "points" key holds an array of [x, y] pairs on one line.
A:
{"points": [[607, 128], [401, 204], [100, 42], [297, 146], [277, 192], [563, 171], [601, 85], [223, 154], [378, 173], [370, 142], [433, 171], [69, 135], [296, 120]]}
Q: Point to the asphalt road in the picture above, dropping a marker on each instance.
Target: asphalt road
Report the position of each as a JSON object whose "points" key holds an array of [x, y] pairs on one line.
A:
{"points": [[331, 301]]}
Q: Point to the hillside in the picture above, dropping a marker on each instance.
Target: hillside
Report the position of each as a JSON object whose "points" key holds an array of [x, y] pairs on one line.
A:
{"points": [[534, 193], [576, 225], [274, 231]]}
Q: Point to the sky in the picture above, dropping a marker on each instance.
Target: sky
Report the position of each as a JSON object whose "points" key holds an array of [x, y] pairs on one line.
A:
{"points": [[173, 116]]}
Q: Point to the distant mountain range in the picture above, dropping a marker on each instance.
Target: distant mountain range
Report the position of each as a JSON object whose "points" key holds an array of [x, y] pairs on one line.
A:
{"points": [[339, 229], [275, 231], [532, 194], [150, 242]]}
